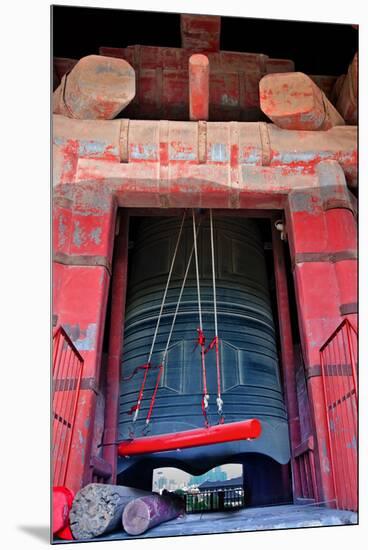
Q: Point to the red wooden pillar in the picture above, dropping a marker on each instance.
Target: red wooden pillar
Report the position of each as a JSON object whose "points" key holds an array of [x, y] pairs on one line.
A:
{"points": [[342, 234], [118, 295], [198, 87], [82, 253], [287, 353], [318, 301]]}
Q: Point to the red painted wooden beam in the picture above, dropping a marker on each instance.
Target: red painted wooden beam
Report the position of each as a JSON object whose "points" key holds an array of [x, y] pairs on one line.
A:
{"points": [[97, 87], [199, 73], [200, 32], [347, 102], [194, 150], [294, 102], [162, 81], [221, 433]]}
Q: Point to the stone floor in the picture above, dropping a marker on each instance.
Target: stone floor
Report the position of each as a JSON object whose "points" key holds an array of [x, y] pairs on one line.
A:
{"points": [[246, 519]]}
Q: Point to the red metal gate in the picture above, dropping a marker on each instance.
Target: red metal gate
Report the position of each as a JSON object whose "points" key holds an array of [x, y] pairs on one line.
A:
{"points": [[339, 366], [67, 369]]}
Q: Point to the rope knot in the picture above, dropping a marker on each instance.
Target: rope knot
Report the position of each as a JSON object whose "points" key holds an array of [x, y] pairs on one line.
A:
{"points": [[201, 337]]}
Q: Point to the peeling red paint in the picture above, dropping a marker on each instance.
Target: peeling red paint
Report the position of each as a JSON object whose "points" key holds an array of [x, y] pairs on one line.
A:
{"points": [[165, 165], [70, 154], [293, 101], [163, 82]]}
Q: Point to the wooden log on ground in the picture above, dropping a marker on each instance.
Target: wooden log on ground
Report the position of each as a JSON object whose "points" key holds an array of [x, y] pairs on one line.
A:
{"points": [[97, 509], [145, 512]]}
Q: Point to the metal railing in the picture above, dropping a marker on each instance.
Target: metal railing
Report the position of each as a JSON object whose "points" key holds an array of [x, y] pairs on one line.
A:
{"points": [[67, 366], [215, 500], [339, 367]]}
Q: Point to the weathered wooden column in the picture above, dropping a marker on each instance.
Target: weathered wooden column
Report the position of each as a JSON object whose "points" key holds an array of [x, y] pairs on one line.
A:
{"points": [[342, 234], [82, 252], [287, 353], [118, 295], [318, 301]]}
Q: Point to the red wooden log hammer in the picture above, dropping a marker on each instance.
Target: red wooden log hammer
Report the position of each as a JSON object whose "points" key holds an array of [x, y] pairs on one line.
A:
{"points": [[221, 433]]}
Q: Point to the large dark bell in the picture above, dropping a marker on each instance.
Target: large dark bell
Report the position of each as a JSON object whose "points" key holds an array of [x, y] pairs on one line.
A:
{"points": [[250, 381]]}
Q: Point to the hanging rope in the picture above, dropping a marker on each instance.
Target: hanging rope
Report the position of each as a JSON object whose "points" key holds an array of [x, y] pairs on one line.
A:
{"points": [[141, 367], [201, 336], [147, 366], [163, 363], [153, 399], [179, 300], [200, 339], [215, 341], [166, 289]]}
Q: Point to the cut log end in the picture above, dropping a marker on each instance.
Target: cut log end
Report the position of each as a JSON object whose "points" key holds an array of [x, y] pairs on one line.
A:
{"points": [[136, 517], [91, 513], [97, 509], [144, 513]]}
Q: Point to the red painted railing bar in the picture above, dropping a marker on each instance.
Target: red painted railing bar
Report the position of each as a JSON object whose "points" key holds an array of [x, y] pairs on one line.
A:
{"points": [[338, 408], [71, 343], [346, 420], [345, 406], [338, 440], [220, 433], [349, 328], [338, 329], [351, 408], [72, 419], [69, 408], [339, 385], [64, 413], [354, 391], [328, 431], [55, 350], [67, 372], [65, 398], [57, 409], [338, 416]]}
